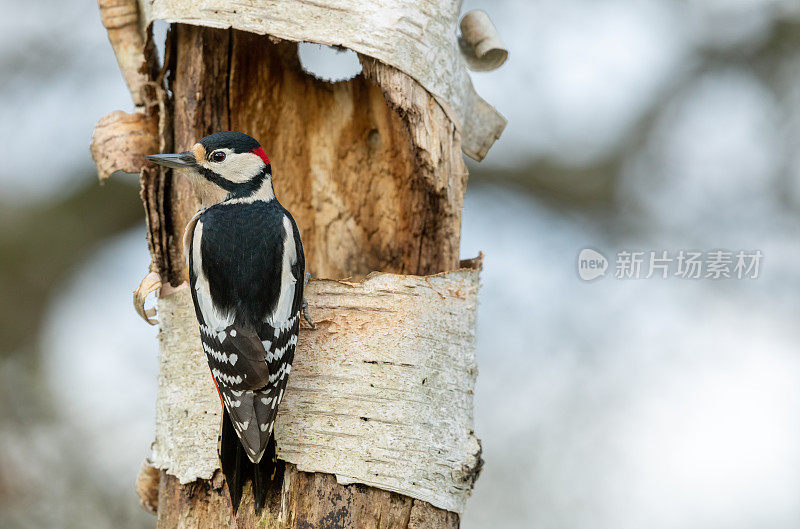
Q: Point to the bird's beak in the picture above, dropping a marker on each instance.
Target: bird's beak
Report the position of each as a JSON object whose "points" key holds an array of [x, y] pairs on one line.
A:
{"points": [[181, 160]]}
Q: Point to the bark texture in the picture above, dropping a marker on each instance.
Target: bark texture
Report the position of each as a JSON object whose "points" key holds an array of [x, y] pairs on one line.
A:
{"points": [[381, 391], [307, 501], [370, 168]]}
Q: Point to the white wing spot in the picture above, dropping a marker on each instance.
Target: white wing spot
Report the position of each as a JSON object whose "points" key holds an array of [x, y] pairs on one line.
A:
{"points": [[278, 353], [226, 379], [218, 356], [280, 373], [266, 400], [233, 333], [233, 358]]}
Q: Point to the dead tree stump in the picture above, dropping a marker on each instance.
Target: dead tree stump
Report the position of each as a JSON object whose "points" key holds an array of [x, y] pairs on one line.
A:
{"points": [[372, 171], [370, 168]]}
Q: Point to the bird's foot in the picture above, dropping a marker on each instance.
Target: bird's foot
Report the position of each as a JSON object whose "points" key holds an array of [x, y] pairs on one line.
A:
{"points": [[305, 303], [306, 315]]}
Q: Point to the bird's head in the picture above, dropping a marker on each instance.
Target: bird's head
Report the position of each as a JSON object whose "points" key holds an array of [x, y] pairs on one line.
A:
{"points": [[223, 166]]}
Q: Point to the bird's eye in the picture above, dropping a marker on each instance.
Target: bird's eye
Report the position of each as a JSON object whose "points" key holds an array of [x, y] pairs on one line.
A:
{"points": [[217, 156]]}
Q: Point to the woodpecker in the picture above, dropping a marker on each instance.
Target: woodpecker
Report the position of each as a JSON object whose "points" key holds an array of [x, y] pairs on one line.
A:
{"points": [[246, 272]]}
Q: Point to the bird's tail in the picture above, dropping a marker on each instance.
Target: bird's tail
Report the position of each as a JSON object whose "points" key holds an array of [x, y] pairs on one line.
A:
{"points": [[238, 469]]}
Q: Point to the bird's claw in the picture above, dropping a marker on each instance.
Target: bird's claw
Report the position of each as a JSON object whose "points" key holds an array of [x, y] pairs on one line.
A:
{"points": [[306, 315], [305, 303]]}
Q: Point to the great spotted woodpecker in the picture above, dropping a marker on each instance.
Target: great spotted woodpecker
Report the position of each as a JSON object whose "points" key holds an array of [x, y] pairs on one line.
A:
{"points": [[246, 271]]}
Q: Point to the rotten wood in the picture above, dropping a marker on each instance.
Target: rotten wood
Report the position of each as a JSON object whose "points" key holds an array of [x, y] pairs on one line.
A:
{"points": [[306, 500], [373, 186]]}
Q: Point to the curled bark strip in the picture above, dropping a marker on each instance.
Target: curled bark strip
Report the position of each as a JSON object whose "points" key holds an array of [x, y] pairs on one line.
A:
{"points": [[121, 20], [147, 486], [150, 283], [480, 42], [120, 142]]}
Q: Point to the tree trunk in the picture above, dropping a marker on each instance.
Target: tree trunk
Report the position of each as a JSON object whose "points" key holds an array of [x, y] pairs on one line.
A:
{"points": [[370, 168]]}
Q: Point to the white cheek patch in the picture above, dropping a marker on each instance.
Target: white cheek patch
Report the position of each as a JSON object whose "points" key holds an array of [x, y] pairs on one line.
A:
{"points": [[237, 167], [241, 167]]}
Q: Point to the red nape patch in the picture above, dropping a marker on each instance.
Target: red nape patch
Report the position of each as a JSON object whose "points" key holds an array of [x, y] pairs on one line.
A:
{"points": [[261, 154]]}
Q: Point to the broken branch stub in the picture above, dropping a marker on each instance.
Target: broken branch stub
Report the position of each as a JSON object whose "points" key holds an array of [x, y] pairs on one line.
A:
{"points": [[380, 393]]}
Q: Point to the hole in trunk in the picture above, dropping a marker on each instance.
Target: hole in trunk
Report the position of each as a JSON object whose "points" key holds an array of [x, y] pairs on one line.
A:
{"points": [[328, 63]]}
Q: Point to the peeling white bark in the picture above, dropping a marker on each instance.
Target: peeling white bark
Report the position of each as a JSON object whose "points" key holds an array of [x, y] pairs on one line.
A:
{"points": [[380, 393], [188, 410], [417, 37]]}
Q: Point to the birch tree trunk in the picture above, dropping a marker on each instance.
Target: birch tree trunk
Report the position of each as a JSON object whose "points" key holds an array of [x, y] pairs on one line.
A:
{"points": [[370, 168]]}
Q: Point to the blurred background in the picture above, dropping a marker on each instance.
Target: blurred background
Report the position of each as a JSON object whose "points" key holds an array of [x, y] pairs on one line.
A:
{"points": [[633, 124]]}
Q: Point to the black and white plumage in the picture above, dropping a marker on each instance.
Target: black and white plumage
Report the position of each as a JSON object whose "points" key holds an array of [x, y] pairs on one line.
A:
{"points": [[246, 269]]}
